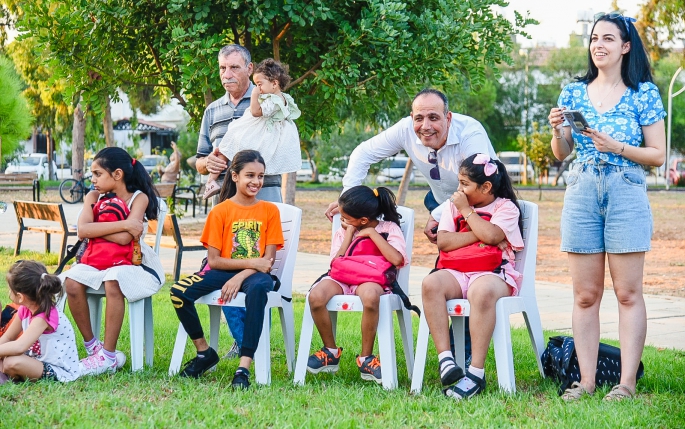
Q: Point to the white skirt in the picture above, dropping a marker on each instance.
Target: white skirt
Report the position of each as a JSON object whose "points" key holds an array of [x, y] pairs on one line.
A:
{"points": [[135, 283]]}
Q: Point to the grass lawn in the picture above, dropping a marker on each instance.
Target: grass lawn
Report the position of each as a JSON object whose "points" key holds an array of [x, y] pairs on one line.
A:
{"points": [[151, 398]]}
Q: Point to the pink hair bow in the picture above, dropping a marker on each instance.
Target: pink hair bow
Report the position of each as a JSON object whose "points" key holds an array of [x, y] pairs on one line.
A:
{"points": [[488, 167]]}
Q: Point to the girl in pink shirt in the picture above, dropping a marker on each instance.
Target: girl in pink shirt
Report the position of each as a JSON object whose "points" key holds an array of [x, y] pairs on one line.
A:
{"points": [[360, 210], [484, 187], [46, 349]]}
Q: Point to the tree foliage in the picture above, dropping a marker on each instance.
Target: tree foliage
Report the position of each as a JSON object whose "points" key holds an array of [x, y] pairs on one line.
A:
{"points": [[15, 117], [661, 21], [344, 56]]}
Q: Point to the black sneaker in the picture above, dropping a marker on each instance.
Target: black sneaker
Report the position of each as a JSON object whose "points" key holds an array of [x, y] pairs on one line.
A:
{"points": [[370, 369], [241, 379], [200, 364], [324, 361]]}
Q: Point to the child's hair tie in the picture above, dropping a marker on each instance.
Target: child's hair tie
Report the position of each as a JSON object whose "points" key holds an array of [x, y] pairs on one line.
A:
{"points": [[375, 192], [489, 167], [133, 161], [42, 276]]}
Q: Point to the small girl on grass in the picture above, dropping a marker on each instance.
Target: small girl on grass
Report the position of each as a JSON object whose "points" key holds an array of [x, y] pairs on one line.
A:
{"points": [[46, 349], [266, 127], [361, 209]]}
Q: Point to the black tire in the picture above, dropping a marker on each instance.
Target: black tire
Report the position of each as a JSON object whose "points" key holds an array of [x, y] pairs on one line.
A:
{"points": [[71, 191]]}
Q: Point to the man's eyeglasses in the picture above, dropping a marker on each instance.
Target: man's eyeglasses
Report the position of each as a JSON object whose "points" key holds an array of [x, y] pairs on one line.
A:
{"points": [[435, 171]]}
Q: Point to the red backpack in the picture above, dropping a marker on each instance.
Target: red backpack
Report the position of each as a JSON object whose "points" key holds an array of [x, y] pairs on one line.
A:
{"points": [[363, 262], [474, 257], [100, 252]]}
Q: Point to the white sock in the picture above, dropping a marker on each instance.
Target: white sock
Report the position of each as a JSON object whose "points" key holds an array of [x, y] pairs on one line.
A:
{"points": [[334, 351], [478, 372], [445, 354], [362, 359]]}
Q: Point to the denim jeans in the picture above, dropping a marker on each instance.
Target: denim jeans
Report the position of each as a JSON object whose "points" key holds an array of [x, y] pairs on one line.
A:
{"points": [[235, 317]]}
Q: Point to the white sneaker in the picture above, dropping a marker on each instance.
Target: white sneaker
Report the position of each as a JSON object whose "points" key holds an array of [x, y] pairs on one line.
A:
{"points": [[121, 357], [97, 364], [233, 353]]}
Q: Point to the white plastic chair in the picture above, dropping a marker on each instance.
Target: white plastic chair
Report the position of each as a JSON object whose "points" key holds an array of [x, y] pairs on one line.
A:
{"points": [[388, 304], [283, 268], [141, 324], [525, 303]]}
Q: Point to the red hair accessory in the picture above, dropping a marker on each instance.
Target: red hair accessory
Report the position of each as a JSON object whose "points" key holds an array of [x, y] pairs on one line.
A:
{"points": [[133, 161]]}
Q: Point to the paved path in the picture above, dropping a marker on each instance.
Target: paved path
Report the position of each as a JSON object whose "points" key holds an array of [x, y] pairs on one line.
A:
{"points": [[666, 315]]}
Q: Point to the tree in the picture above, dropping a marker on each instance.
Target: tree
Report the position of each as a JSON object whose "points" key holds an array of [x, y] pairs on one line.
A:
{"points": [[661, 21], [343, 56], [15, 117]]}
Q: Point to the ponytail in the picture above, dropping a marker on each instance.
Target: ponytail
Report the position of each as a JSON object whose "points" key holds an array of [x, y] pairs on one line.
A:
{"points": [[31, 278], [362, 201]]}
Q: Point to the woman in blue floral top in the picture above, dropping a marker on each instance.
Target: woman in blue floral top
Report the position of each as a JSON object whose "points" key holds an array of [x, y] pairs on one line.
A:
{"points": [[606, 209]]}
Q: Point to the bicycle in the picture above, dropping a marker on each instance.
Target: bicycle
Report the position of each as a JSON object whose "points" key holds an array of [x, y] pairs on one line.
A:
{"points": [[73, 190]]}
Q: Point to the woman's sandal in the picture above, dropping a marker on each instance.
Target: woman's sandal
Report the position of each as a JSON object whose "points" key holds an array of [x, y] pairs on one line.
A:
{"points": [[575, 392], [468, 387], [619, 393], [211, 188]]}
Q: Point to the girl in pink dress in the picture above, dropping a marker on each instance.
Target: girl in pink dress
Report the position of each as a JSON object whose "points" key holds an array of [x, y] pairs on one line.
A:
{"points": [[484, 187]]}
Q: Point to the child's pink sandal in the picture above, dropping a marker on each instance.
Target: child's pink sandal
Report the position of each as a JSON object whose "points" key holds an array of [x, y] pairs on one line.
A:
{"points": [[211, 188]]}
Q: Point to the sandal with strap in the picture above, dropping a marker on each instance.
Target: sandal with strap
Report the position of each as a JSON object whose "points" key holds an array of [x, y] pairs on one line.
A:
{"points": [[468, 387], [619, 393], [450, 372], [575, 392], [211, 188]]}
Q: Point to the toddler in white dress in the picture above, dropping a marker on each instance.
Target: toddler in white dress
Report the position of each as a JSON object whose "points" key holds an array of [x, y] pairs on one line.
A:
{"points": [[266, 127]]}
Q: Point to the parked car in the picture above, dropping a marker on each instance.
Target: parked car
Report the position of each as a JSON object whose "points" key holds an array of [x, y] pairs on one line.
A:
{"points": [[513, 162], [305, 174], [337, 169], [676, 174], [392, 170], [33, 163], [150, 162]]}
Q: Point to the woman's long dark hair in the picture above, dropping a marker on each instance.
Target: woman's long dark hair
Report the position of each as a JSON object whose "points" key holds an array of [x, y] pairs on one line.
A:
{"points": [[238, 162], [135, 175], [361, 201], [501, 183], [634, 65], [31, 279]]}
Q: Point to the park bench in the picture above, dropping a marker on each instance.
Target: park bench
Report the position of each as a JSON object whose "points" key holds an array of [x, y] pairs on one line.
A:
{"points": [[51, 212], [21, 182], [172, 239]]}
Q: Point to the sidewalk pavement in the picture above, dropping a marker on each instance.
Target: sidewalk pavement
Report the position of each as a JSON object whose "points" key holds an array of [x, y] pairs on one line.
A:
{"points": [[665, 314]]}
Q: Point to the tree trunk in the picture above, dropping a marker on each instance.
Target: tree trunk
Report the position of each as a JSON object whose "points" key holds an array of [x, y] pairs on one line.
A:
{"points": [[107, 123], [404, 184], [209, 97], [288, 187], [77, 140]]}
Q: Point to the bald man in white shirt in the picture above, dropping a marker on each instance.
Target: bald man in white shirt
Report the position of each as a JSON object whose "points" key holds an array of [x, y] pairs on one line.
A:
{"points": [[435, 139]]}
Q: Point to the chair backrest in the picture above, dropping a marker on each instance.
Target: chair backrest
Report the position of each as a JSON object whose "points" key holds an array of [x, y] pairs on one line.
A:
{"points": [[407, 225], [284, 265], [42, 211], [526, 259]]}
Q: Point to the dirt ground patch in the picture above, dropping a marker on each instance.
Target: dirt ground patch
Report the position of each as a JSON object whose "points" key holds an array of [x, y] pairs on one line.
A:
{"points": [[664, 267]]}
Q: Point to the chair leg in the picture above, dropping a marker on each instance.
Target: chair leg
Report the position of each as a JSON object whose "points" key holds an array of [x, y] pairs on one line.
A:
{"points": [[47, 242], [149, 332], [288, 328], [214, 325], [95, 308], [179, 349], [406, 330], [177, 263], [534, 324], [20, 234], [136, 314], [504, 356], [459, 341], [386, 345], [420, 357], [305, 343], [63, 248], [262, 356]]}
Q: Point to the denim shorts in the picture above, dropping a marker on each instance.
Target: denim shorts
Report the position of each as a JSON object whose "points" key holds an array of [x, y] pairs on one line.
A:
{"points": [[606, 209]]}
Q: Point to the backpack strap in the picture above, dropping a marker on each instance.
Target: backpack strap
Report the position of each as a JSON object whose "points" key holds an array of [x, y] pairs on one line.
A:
{"points": [[71, 253], [397, 290]]}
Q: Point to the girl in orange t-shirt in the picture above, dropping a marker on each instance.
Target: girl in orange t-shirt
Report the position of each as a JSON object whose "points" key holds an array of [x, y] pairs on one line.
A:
{"points": [[242, 235]]}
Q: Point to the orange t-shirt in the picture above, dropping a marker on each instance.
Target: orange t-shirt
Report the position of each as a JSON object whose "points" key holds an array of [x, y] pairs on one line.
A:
{"points": [[243, 232]]}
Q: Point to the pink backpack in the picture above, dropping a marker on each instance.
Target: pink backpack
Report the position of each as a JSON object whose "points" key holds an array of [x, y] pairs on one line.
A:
{"points": [[363, 262]]}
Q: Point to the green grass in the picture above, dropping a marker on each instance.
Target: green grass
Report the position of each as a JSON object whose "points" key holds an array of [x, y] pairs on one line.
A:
{"points": [[150, 398]]}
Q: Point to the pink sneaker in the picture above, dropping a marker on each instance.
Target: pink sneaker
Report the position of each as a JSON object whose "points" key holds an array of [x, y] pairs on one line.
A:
{"points": [[121, 357], [97, 364]]}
